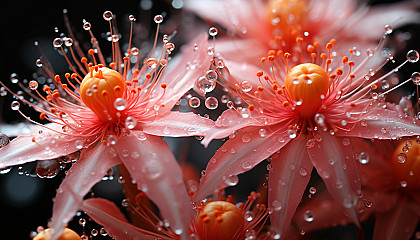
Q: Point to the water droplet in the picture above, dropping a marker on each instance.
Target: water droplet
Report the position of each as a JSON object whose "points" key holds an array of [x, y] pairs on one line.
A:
{"points": [[178, 231], [262, 132], [246, 138], [194, 102], [15, 105], [79, 144], [14, 78], [292, 133], [130, 122], [415, 77], [58, 42], [210, 51], [231, 180], [312, 190], [249, 216], [388, 29], [38, 63], [82, 222], [166, 130], [152, 169], [363, 157], [47, 168], [211, 103], [211, 75], [4, 140], [346, 141], [68, 42], [403, 184], [319, 119], [303, 172], [308, 216], [230, 104], [169, 47], [33, 85], [310, 143], [246, 86], [158, 19], [5, 170], [402, 157], [152, 63], [125, 203], [203, 84], [370, 52], [120, 104], [112, 139], [246, 165], [107, 15], [413, 56], [213, 31], [86, 26], [94, 232], [277, 206]]}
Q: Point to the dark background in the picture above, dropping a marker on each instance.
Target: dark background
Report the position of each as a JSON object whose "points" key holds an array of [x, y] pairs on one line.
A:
{"points": [[26, 201]]}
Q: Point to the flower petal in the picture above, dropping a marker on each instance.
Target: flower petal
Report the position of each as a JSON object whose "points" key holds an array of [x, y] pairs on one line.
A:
{"points": [[231, 120], [47, 145], [181, 79], [398, 223], [177, 124], [334, 161], [157, 173], [289, 175], [384, 124], [236, 156], [107, 214], [81, 177]]}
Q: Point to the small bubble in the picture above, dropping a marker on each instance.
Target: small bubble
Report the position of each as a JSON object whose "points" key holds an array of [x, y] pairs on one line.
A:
{"points": [[107, 15], [413, 56], [15, 105], [308, 216], [213, 31], [415, 77], [58, 42], [194, 102], [158, 19], [402, 157], [388, 29], [33, 85], [86, 26], [363, 158], [211, 103], [246, 86], [211, 75], [120, 104]]}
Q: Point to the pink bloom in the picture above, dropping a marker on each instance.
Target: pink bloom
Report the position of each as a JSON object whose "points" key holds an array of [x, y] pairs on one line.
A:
{"points": [[212, 220], [389, 174], [255, 23], [116, 116], [303, 113]]}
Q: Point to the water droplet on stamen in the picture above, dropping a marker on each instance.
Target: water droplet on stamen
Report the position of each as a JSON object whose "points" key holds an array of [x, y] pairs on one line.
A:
{"points": [[388, 29], [370, 52], [211, 75], [130, 122], [15, 105], [246, 86], [86, 26], [158, 19], [413, 56], [131, 18], [58, 42], [33, 85], [152, 63], [213, 31], [107, 15], [415, 77]]}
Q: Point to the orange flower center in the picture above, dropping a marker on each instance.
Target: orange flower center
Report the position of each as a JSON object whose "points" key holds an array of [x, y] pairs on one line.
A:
{"points": [[307, 84], [99, 91], [220, 220], [406, 164], [67, 234]]}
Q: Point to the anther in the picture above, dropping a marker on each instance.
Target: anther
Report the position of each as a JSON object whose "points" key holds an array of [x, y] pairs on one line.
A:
{"points": [[259, 73], [251, 107], [163, 85]]}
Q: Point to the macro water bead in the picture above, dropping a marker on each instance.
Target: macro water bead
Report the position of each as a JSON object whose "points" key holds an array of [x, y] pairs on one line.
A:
{"points": [[306, 84]]}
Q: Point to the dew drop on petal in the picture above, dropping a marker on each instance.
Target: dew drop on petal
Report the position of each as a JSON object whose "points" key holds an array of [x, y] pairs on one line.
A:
{"points": [[308, 216], [262, 132], [194, 102], [401, 157], [120, 104], [211, 103], [112, 139], [363, 157], [310, 143], [246, 138], [277, 206], [210, 51], [152, 169], [47, 168], [292, 133], [413, 56], [246, 165], [15, 105], [303, 172], [403, 184], [231, 180], [346, 141]]}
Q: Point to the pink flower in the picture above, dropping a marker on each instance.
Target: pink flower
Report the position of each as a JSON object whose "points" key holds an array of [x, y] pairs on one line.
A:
{"points": [[116, 116], [389, 174], [303, 113], [255, 23], [212, 220]]}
